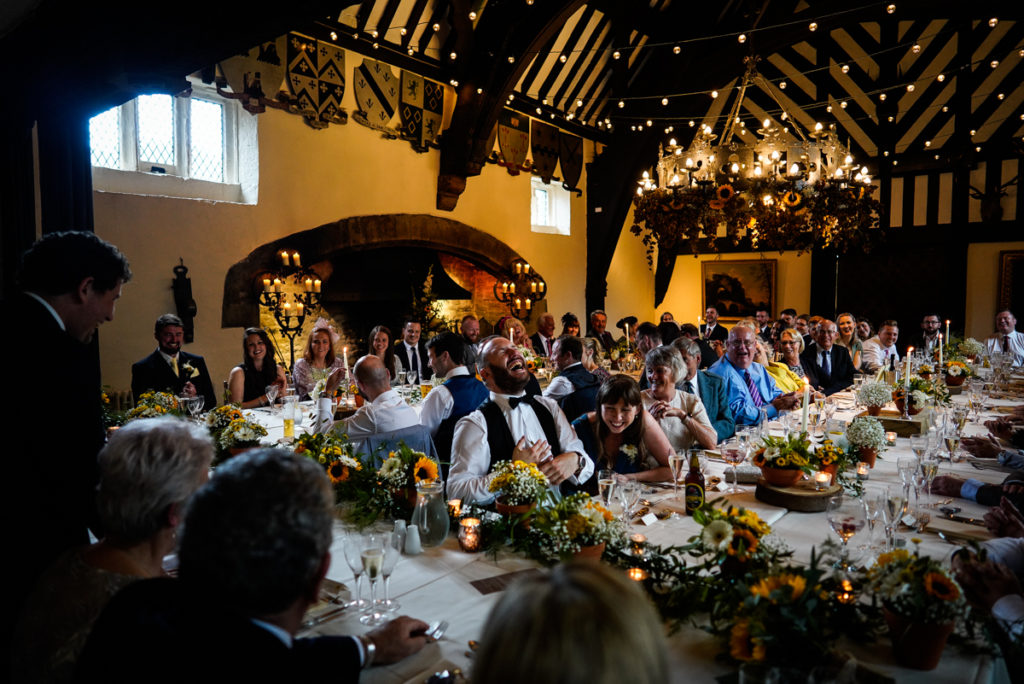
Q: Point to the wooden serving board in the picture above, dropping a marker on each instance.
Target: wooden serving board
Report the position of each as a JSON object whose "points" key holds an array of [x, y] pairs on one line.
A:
{"points": [[892, 421], [801, 497]]}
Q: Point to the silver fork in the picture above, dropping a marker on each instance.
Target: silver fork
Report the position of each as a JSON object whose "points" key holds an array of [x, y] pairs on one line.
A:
{"points": [[436, 630]]}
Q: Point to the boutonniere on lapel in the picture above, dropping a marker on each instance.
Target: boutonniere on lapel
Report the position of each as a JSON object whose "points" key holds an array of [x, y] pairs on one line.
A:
{"points": [[188, 370], [630, 451]]}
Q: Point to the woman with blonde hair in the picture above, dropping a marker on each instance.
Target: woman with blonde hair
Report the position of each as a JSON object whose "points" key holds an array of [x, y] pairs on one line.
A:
{"points": [[592, 355], [318, 360], [848, 337], [581, 623], [786, 379]]}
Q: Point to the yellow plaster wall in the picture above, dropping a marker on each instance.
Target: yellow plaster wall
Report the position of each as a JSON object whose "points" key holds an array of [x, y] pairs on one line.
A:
{"points": [[983, 287], [307, 178]]}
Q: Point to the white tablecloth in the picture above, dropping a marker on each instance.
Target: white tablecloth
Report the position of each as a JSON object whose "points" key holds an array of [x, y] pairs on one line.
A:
{"points": [[436, 586]]}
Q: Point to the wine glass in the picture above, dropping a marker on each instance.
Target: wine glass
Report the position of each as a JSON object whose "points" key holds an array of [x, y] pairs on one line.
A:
{"points": [[371, 556], [675, 464], [952, 438], [629, 495], [195, 406], [606, 485], [271, 391], [847, 516], [392, 553], [873, 504], [919, 445], [734, 454], [412, 377], [353, 550]]}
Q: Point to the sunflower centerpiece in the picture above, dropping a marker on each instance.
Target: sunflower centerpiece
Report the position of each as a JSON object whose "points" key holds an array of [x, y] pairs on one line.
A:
{"points": [[922, 603], [783, 460], [731, 540], [519, 486]]}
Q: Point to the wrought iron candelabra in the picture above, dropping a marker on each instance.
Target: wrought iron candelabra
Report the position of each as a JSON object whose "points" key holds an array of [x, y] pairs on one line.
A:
{"points": [[521, 289], [291, 308]]}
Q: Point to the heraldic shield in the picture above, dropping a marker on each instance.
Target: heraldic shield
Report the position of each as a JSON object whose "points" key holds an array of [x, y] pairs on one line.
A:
{"points": [[513, 140], [421, 109], [316, 79], [257, 75], [376, 94], [570, 157], [544, 144]]}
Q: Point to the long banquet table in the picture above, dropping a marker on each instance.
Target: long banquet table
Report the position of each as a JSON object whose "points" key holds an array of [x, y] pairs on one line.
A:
{"points": [[436, 585]]}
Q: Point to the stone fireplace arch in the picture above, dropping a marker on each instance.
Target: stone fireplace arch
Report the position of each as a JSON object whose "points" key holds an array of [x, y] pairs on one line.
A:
{"points": [[241, 284]]}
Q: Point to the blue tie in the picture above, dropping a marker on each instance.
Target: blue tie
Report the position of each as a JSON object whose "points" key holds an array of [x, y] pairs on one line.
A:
{"points": [[824, 363], [755, 394]]}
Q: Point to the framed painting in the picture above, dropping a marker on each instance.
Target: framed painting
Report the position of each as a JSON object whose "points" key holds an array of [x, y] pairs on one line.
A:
{"points": [[739, 288], [1011, 280]]}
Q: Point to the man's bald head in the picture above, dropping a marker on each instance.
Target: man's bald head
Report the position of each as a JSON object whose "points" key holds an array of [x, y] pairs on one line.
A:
{"points": [[372, 376]]}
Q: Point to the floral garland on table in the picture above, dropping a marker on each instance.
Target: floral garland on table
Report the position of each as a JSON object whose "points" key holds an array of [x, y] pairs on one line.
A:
{"points": [[839, 454], [518, 483], [334, 452], [774, 214], [155, 404], [874, 394], [388, 492], [560, 528], [111, 418], [785, 453]]}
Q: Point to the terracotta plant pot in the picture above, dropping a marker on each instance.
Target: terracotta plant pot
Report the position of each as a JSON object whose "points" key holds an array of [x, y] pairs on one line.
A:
{"points": [[781, 477], [874, 410], [912, 411], [955, 380], [512, 509], [832, 470], [868, 456], [917, 644], [234, 451], [590, 552], [926, 376]]}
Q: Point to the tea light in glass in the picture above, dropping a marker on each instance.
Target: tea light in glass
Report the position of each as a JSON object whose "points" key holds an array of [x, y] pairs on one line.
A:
{"points": [[845, 593], [890, 439], [637, 574], [862, 470], [822, 480], [638, 540], [469, 534], [454, 508]]}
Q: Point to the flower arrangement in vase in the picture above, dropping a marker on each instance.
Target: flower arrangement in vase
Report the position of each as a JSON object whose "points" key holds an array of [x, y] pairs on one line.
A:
{"points": [[866, 436], [874, 395], [573, 527], [519, 486], [784, 460]]}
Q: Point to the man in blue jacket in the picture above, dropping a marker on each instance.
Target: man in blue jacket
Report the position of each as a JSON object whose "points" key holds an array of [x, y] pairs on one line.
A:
{"points": [[747, 384]]}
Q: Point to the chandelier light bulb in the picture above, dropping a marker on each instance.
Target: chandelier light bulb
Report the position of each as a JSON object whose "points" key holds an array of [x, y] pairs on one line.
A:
{"points": [[735, 168], [672, 142], [766, 123], [646, 175], [818, 126], [794, 169], [848, 160], [689, 163]]}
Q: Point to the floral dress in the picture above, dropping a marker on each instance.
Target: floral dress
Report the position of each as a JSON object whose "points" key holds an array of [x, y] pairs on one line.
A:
{"points": [[306, 376]]}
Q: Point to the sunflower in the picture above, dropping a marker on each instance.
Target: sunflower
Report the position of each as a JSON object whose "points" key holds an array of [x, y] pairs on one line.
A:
{"points": [[758, 459], [724, 192], [716, 204], [898, 555], [796, 584], [742, 646], [425, 469], [941, 587], [792, 199], [743, 543], [338, 472]]}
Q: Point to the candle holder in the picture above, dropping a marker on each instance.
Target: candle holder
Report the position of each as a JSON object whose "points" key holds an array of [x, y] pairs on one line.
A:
{"points": [[863, 470], [290, 309], [638, 544], [521, 289], [454, 508], [845, 594], [637, 574], [469, 534], [822, 480], [890, 437]]}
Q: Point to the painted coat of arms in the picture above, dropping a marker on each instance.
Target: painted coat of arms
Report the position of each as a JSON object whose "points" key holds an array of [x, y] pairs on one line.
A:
{"points": [[513, 140], [544, 144], [376, 95], [316, 80], [421, 110], [570, 157], [257, 76]]}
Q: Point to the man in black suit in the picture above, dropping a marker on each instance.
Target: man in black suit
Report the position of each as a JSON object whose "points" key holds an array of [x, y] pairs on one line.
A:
{"points": [[543, 340], [828, 366], [412, 351], [255, 548], [707, 354], [70, 283], [711, 330], [928, 340], [598, 323], [168, 369]]}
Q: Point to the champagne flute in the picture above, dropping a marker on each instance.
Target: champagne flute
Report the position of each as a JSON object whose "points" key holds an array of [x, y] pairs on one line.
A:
{"points": [[353, 550], [271, 391], [371, 555], [392, 554], [919, 445], [873, 504], [895, 507], [606, 485], [929, 469], [952, 444], [847, 516], [675, 464], [195, 407], [734, 454]]}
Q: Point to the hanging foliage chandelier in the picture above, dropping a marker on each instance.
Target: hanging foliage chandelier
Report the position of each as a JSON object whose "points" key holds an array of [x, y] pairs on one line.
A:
{"points": [[781, 187]]}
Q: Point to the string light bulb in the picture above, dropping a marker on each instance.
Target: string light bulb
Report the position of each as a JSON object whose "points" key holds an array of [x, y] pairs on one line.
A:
{"points": [[676, 50], [910, 87], [813, 26], [621, 104], [994, 63], [890, 9], [882, 97], [562, 59], [664, 101], [616, 54], [472, 16], [714, 94], [992, 22], [940, 78], [742, 38], [845, 68], [916, 49], [782, 85]]}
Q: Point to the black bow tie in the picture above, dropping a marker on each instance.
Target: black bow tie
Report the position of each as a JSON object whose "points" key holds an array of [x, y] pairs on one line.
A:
{"points": [[516, 401]]}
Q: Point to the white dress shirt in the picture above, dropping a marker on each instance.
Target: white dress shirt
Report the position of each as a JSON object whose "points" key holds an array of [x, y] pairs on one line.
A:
{"points": [[560, 386], [471, 456], [695, 383], [546, 343], [387, 413], [679, 436], [413, 354], [875, 355], [439, 403], [1015, 339]]}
